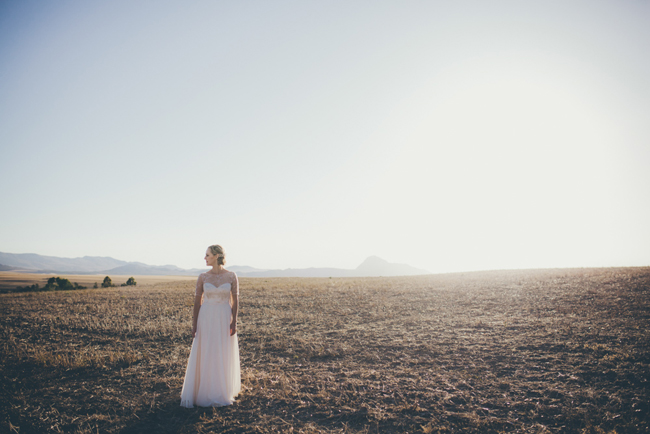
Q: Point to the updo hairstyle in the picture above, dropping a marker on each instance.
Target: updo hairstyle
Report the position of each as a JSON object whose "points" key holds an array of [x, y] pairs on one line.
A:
{"points": [[217, 251]]}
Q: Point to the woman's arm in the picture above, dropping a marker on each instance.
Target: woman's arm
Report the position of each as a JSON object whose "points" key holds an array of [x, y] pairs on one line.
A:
{"points": [[235, 305], [198, 294]]}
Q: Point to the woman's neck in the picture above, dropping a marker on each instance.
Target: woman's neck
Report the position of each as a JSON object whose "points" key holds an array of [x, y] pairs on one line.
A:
{"points": [[217, 269]]}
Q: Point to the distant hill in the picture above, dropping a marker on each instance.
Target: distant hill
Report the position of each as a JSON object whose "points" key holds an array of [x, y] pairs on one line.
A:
{"points": [[138, 268], [31, 262], [241, 269], [372, 266], [34, 262], [300, 272], [375, 266]]}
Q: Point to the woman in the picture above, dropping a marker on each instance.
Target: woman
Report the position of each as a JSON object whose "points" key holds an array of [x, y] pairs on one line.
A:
{"points": [[212, 377]]}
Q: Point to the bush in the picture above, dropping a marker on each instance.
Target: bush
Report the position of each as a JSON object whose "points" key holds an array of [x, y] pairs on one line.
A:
{"points": [[29, 288], [131, 282], [107, 283], [53, 284], [95, 285], [60, 284]]}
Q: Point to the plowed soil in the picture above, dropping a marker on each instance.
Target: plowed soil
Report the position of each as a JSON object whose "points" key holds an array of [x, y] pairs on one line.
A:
{"points": [[514, 351]]}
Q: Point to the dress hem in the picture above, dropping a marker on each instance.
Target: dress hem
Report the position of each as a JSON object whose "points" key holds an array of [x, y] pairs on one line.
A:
{"points": [[190, 404]]}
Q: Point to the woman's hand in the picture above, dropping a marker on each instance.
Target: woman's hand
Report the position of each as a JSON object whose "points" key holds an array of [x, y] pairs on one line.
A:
{"points": [[233, 328], [193, 330]]}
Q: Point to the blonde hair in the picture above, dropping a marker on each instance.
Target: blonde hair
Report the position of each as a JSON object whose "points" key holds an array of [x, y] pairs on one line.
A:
{"points": [[217, 251]]}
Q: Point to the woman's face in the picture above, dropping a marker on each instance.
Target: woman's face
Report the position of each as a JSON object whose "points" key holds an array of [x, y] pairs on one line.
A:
{"points": [[210, 259]]}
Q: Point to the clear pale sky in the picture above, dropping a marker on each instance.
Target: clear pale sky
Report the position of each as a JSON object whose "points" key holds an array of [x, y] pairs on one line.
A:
{"points": [[450, 136]]}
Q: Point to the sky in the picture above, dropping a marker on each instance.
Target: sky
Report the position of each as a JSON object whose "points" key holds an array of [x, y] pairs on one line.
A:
{"points": [[450, 136]]}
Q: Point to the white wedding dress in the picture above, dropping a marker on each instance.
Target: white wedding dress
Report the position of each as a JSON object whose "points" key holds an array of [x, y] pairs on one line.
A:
{"points": [[213, 376]]}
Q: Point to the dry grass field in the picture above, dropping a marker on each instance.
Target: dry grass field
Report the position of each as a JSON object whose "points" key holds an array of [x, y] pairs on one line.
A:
{"points": [[516, 351]]}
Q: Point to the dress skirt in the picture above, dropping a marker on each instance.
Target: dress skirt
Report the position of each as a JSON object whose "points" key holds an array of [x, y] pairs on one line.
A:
{"points": [[212, 377]]}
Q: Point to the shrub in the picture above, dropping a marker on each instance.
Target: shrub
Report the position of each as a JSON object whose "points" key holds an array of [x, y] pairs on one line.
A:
{"points": [[53, 284], [60, 284], [107, 283], [28, 288], [131, 282]]}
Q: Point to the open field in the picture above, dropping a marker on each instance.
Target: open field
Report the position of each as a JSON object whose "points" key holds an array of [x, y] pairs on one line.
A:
{"points": [[515, 351], [12, 279]]}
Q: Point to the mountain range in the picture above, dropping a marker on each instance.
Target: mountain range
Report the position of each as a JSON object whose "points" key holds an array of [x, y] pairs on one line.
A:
{"points": [[33, 263]]}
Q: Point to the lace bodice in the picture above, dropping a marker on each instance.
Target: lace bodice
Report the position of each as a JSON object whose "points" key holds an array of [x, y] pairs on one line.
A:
{"points": [[216, 288]]}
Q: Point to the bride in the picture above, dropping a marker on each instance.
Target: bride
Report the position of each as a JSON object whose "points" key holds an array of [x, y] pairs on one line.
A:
{"points": [[213, 377]]}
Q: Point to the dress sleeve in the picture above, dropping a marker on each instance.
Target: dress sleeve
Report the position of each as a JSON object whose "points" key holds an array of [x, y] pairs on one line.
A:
{"points": [[199, 285], [234, 286]]}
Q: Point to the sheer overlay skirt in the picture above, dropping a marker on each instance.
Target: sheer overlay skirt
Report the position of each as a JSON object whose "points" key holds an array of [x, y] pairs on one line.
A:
{"points": [[212, 377]]}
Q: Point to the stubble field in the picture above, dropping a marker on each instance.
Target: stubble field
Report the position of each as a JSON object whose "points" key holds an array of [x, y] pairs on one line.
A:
{"points": [[514, 351]]}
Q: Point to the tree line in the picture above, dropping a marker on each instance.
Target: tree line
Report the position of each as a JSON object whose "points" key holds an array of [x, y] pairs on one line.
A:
{"points": [[61, 284]]}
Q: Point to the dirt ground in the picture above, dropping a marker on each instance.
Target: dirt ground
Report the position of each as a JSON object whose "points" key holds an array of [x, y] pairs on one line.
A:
{"points": [[539, 351]]}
